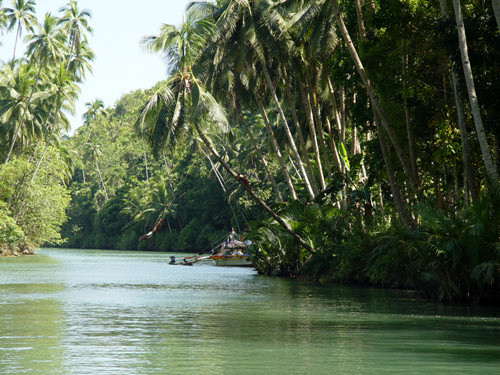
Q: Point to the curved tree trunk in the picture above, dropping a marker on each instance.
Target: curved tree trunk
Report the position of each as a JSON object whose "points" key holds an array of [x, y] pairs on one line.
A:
{"points": [[274, 215], [469, 79]]}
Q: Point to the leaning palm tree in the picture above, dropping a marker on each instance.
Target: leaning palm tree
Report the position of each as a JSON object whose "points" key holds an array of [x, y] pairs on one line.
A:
{"points": [[471, 90], [247, 30], [21, 15], [183, 103], [375, 100]]}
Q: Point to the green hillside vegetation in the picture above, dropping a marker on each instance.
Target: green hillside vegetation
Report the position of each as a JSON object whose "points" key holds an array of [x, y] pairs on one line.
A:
{"points": [[369, 147]]}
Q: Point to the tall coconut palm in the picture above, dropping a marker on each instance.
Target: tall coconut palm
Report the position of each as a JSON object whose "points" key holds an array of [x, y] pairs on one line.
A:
{"points": [[64, 92], [95, 152], [246, 30], [47, 45], [21, 15], [377, 105], [471, 90], [184, 103], [468, 172], [16, 86], [75, 23], [94, 109], [80, 61]]}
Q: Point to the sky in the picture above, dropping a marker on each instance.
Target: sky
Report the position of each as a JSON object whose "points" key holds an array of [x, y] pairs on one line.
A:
{"points": [[121, 65]]}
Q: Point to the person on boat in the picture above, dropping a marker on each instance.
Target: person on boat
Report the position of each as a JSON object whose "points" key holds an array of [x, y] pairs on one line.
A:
{"points": [[237, 252], [150, 234], [172, 260], [231, 237]]}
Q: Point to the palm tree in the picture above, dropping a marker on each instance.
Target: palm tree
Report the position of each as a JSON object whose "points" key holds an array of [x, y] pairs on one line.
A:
{"points": [[94, 109], [64, 93], [183, 102], [247, 28], [3, 20], [95, 153], [471, 90], [375, 101], [21, 15], [79, 63], [75, 23], [16, 86], [46, 45], [468, 172]]}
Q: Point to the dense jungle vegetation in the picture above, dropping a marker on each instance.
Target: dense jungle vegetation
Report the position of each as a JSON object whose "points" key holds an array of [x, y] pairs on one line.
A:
{"points": [[367, 132]]}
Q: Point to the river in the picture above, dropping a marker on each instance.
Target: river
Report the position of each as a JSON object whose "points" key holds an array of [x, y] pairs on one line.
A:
{"points": [[113, 312]]}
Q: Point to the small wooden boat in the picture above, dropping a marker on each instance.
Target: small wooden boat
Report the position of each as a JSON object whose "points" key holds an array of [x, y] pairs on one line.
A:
{"points": [[232, 260]]}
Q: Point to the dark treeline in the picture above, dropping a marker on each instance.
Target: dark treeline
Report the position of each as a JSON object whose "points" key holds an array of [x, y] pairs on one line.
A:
{"points": [[367, 133]]}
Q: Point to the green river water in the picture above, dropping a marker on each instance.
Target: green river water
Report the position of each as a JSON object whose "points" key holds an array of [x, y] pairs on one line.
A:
{"points": [[111, 312]]}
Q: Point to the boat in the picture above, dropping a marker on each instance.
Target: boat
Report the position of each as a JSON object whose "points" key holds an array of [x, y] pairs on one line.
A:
{"points": [[231, 253], [232, 260]]}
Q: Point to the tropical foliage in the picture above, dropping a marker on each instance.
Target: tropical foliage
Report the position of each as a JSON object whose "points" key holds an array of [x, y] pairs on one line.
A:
{"points": [[37, 90], [351, 141]]}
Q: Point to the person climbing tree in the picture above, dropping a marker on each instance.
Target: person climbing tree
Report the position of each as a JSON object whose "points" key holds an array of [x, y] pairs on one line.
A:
{"points": [[243, 179], [148, 235]]}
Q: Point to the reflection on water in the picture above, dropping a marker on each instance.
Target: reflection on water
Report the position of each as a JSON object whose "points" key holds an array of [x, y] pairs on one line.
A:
{"points": [[97, 312]]}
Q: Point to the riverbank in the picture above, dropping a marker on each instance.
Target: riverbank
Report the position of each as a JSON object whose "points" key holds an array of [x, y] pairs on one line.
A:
{"points": [[15, 251]]}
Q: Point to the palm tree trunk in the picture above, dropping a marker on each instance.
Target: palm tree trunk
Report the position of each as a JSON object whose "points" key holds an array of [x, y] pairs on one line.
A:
{"points": [[18, 32], [399, 204], [376, 101], [319, 126], [291, 141], [100, 178], [409, 132], [276, 148], [496, 9], [259, 151], [145, 162], [312, 131], [37, 168], [469, 79], [302, 143], [333, 146], [359, 16], [273, 214], [470, 183]]}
